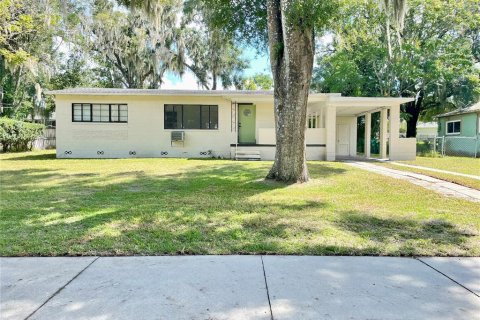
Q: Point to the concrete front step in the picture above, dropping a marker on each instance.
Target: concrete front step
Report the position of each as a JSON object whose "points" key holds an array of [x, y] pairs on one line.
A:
{"points": [[248, 155]]}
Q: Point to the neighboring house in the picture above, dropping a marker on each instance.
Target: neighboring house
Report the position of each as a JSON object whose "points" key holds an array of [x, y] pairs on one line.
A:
{"points": [[122, 123], [461, 130], [427, 130], [49, 121]]}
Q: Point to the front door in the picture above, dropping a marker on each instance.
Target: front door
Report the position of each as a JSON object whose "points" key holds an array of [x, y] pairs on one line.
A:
{"points": [[246, 123], [343, 140]]}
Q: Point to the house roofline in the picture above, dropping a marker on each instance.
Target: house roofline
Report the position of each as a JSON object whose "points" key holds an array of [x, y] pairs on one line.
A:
{"points": [[332, 98], [475, 108]]}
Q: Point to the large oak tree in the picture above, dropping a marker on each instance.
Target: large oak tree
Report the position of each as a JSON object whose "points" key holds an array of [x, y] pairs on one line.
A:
{"points": [[288, 27]]}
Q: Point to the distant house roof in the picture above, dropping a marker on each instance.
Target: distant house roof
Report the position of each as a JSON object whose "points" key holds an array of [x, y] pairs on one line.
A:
{"points": [[427, 125], [472, 108]]}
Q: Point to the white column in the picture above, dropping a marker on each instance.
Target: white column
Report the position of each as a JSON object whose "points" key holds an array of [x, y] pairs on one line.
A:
{"points": [[394, 129], [368, 134], [383, 133], [331, 130]]}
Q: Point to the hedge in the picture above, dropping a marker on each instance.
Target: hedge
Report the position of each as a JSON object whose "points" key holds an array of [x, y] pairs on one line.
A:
{"points": [[18, 135]]}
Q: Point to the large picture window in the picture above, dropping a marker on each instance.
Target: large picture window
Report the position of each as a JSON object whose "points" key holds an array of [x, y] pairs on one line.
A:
{"points": [[88, 112], [454, 127], [180, 116]]}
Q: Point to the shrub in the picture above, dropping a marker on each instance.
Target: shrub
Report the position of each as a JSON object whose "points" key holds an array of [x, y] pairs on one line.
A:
{"points": [[18, 135]]}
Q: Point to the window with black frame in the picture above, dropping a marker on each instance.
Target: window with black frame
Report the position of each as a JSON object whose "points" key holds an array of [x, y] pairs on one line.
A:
{"points": [[189, 116], [98, 112], [454, 127]]}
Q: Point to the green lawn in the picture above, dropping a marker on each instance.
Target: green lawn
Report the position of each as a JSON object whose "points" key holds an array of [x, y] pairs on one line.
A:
{"points": [[454, 164], [180, 206]]}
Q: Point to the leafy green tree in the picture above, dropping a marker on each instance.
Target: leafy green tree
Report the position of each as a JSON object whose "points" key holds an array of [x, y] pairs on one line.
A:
{"points": [[31, 35], [26, 29], [259, 81], [433, 56]]}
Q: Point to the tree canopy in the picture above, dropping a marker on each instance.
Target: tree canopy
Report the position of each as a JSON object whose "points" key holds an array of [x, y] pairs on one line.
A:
{"points": [[432, 56], [55, 44]]}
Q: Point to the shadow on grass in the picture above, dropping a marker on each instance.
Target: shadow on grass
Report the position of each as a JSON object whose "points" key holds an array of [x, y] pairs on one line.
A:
{"points": [[25, 157], [203, 210]]}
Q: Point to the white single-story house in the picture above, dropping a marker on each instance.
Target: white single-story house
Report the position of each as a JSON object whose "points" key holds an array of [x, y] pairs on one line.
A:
{"points": [[124, 123], [427, 130]]}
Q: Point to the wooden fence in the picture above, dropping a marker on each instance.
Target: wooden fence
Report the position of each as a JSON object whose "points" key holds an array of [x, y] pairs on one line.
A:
{"points": [[46, 141]]}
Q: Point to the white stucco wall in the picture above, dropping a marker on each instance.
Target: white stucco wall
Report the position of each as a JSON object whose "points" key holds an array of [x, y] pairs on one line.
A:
{"points": [[144, 132], [268, 152], [312, 136], [265, 121], [405, 149]]}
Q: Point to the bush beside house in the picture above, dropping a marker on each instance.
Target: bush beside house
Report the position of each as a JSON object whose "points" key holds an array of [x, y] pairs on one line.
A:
{"points": [[17, 135]]}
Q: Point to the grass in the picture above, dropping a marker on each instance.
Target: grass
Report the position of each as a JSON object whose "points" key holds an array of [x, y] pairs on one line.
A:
{"points": [[455, 164], [464, 181], [180, 206]]}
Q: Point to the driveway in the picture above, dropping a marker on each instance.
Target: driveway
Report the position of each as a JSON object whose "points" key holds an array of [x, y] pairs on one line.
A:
{"points": [[443, 187], [240, 287]]}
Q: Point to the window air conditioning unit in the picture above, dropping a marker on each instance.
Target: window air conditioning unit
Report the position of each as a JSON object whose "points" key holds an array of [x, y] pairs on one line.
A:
{"points": [[178, 136]]}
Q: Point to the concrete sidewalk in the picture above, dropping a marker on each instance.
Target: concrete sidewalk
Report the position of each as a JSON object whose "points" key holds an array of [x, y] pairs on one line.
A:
{"points": [[240, 287], [459, 174]]}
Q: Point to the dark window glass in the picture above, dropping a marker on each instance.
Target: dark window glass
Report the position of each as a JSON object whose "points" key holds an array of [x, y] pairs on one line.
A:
{"points": [[205, 117], [213, 117], [190, 117], [173, 117], [454, 127]]}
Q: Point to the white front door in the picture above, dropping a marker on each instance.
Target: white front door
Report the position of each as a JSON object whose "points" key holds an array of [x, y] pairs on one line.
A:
{"points": [[343, 140]]}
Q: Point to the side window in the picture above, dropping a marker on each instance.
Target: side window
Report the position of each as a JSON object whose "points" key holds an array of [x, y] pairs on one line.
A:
{"points": [[81, 112], [87, 112], [454, 127]]}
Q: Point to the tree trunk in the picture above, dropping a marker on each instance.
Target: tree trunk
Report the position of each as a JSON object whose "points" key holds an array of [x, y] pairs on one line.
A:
{"points": [[412, 120], [413, 109], [388, 33], [214, 85], [291, 58]]}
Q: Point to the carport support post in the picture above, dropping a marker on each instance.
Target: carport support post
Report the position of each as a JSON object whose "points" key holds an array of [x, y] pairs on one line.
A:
{"points": [[331, 130], [394, 129], [368, 134], [383, 133]]}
